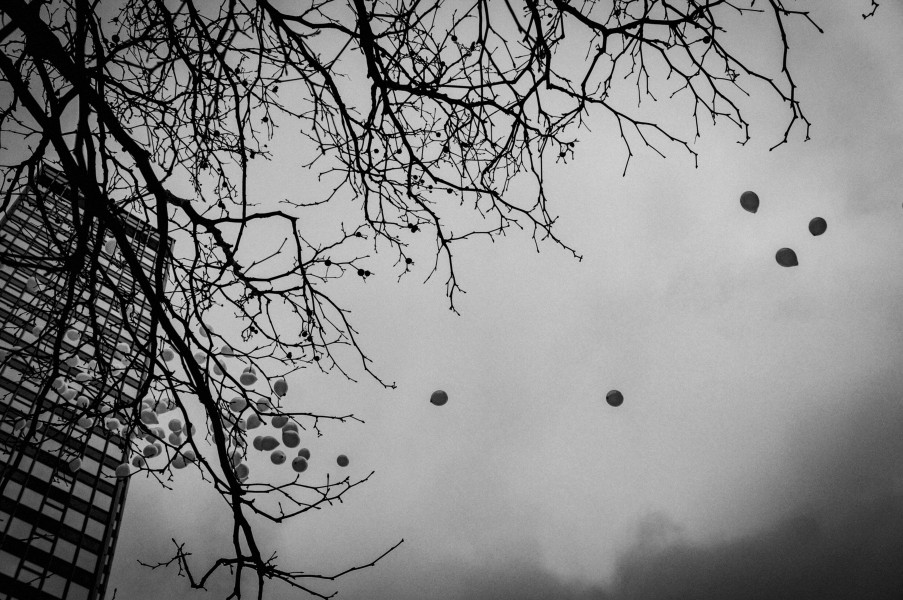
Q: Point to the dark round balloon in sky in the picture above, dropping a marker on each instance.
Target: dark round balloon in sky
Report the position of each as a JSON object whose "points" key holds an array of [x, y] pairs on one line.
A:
{"points": [[786, 257], [614, 398], [342, 460], [438, 398], [818, 226], [749, 201]]}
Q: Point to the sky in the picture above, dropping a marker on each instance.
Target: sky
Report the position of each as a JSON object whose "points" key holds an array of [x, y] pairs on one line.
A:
{"points": [[759, 450]]}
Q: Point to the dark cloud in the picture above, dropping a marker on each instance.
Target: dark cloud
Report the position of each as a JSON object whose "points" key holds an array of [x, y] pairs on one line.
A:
{"points": [[838, 535]]}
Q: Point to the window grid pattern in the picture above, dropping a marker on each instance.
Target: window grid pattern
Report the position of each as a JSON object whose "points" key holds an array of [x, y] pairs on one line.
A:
{"points": [[58, 528]]}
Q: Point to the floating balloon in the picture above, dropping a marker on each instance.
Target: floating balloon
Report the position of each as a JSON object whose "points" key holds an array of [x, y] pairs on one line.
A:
{"points": [[248, 379], [818, 226], [109, 245], [258, 443], [112, 424], [438, 398], [304, 452], [614, 398], [280, 387], [175, 438], [59, 384], [216, 370], [189, 455], [277, 457], [264, 405], [82, 402], [342, 460], [178, 461], [84, 423], [69, 394], [168, 354], [226, 350], [73, 361], [199, 357], [242, 471], [786, 257], [123, 347], [73, 334], [82, 377], [138, 461], [291, 439], [123, 470], [253, 421], [749, 201], [175, 425], [75, 464], [237, 404], [31, 285], [299, 464], [279, 421], [269, 443], [290, 426]]}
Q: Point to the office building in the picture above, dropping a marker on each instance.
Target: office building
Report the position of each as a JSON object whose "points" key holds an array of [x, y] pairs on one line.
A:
{"points": [[61, 503]]}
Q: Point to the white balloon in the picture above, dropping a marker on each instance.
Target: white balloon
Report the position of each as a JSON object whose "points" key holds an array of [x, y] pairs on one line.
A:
{"points": [[291, 439]]}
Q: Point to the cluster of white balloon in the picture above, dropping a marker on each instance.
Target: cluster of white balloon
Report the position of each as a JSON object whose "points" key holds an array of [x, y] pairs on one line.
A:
{"points": [[785, 257]]}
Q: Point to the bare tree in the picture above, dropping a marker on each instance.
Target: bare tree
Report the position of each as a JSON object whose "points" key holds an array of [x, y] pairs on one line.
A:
{"points": [[418, 115]]}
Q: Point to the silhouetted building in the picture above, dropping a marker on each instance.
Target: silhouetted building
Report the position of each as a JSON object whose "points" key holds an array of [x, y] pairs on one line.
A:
{"points": [[60, 501]]}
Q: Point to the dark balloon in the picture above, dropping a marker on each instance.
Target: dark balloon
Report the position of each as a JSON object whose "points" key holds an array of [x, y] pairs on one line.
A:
{"points": [[439, 398], [342, 460], [614, 398], [749, 201], [786, 257], [818, 226]]}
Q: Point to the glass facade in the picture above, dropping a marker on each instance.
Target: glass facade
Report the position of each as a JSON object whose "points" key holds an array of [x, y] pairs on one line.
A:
{"points": [[73, 357]]}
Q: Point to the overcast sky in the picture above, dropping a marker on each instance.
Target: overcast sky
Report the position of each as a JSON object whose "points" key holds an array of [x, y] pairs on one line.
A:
{"points": [[759, 450]]}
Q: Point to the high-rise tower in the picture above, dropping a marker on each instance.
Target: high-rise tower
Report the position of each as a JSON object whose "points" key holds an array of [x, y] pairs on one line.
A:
{"points": [[73, 357]]}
